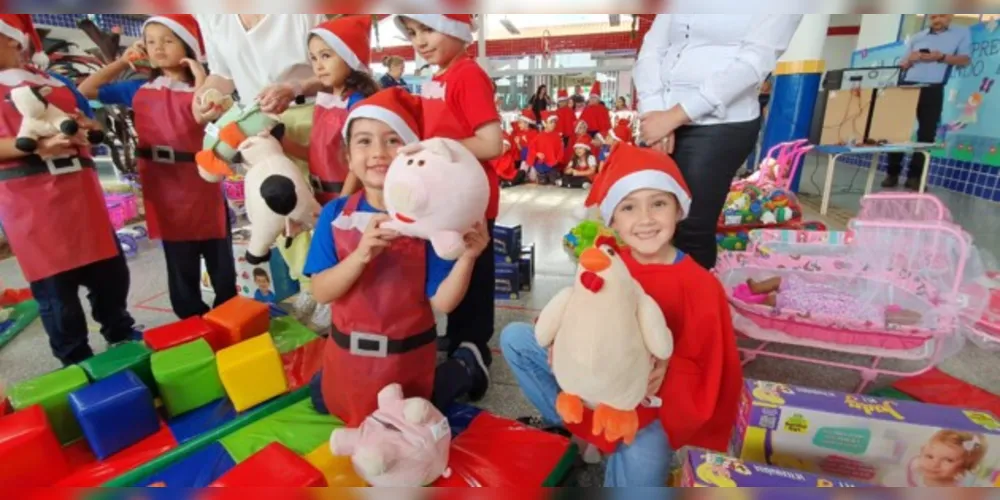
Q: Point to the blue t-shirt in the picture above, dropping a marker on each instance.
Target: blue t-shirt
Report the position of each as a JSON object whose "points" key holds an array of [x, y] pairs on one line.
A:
{"points": [[120, 93], [81, 102], [353, 99], [261, 297], [603, 153], [956, 40], [323, 251]]}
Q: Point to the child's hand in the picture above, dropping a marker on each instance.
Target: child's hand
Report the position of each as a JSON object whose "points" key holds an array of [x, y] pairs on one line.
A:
{"points": [[57, 146], [197, 70], [476, 240], [136, 52], [656, 377], [540, 156], [374, 240]]}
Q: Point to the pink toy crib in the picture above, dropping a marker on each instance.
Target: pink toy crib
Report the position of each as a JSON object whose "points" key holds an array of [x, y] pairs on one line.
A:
{"points": [[917, 261], [984, 330]]}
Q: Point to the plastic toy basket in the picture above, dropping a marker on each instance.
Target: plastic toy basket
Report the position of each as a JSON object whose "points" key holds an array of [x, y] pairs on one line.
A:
{"points": [[233, 188], [118, 213]]}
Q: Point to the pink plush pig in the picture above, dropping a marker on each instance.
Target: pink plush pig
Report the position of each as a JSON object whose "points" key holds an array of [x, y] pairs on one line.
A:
{"points": [[436, 190], [403, 443]]}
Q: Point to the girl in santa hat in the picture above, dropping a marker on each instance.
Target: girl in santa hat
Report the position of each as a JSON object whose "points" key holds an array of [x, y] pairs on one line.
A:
{"points": [[595, 114], [458, 104], [53, 213], [581, 169], [567, 118], [183, 210], [340, 52], [384, 305]]}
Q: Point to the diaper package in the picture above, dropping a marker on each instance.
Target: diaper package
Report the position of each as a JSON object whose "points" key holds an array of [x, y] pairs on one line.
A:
{"points": [[861, 438], [701, 468]]}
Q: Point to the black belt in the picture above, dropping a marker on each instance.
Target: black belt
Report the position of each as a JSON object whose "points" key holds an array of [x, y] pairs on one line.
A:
{"points": [[35, 165], [322, 186], [164, 154], [378, 346]]}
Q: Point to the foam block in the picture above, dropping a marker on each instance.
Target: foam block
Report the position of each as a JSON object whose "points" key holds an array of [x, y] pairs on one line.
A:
{"points": [[126, 356], [274, 466], [338, 470], [88, 472], [115, 413], [198, 470], [29, 451], [164, 337], [240, 318], [251, 372], [187, 376], [201, 420], [51, 391]]}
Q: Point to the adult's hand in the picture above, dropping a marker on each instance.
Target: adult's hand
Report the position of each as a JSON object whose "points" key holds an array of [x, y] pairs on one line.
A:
{"points": [[657, 125], [204, 111], [56, 146], [276, 98], [666, 145]]}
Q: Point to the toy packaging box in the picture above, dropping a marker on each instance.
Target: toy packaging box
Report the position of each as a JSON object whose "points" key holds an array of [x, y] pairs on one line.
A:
{"points": [[695, 467], [526, 267], [507, 280], [861, 438], [507, 243], [269, 282]]}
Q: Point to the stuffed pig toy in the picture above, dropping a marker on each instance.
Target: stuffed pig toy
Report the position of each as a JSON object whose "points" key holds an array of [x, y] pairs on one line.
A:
{"points": [[403, 443], [40, 120], [436, 190]]}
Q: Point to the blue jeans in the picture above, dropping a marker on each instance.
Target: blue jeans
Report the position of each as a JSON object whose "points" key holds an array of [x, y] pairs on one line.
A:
{"points": [[646, 462]]}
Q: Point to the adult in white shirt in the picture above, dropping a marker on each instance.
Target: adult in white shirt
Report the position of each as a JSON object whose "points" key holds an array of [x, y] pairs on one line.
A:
{"points": [[697, 79]]}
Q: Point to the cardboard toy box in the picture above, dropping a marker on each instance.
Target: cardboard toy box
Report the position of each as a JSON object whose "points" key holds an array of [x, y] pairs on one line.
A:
{"points": [[880, 441], [695, 467], [507, 242], [507, 282], [526, 267], [273, 275]]}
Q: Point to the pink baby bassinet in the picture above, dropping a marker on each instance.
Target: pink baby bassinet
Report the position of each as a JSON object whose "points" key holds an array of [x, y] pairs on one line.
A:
{"points": [[901, 251]]}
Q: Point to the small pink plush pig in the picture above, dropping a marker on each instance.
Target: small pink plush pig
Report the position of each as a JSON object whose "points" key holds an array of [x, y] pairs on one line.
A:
{"points": [[403, 443], [436, 190]]}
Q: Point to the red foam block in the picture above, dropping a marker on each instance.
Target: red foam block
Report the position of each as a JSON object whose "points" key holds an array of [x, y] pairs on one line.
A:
{"points": [[181, 332], [937, 387], [88, 472], [30, 454], [272, 466], [302, 363], [497, 452]]}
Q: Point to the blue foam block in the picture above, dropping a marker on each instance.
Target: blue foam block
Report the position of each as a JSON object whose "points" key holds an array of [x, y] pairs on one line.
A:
{"points": [[460, 416], [196, 471], [199, 421], [115, 413]]}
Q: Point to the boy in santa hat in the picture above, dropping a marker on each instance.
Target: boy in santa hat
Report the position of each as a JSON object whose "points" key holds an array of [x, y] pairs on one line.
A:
{"points": [[524, 134], [567, 118], [546, 152], [595, 114], [53, 213], [506, 165], [642, 196]]}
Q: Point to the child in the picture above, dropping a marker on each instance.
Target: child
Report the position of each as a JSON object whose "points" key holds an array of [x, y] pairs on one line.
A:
{"points": [[567, 118], [581, 137], [642, 196], [546, 151], [581, 169], [384, 287], [524, 133], [53, 214], [596, 116], [506, 166], [949, 459], [340, 52], [458, 104], [183, 210], [263, 282]]}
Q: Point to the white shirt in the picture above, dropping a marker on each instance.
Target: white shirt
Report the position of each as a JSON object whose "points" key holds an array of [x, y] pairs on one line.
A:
{"points": [[710, 64], [273, 51]]}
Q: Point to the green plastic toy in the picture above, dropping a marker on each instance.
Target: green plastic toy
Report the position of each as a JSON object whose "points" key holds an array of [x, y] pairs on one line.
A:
{"points": [[127, 356], [250, 120], [187, 376], [583, 237], [52, 392]]}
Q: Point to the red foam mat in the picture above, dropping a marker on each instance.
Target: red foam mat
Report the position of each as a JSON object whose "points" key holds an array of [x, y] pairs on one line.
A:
{"points": [[88, 472], [302, 363], [937, 387]]}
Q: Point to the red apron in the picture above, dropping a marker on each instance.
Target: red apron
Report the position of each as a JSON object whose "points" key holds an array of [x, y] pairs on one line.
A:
{"points": [[440, 121], [180, 205], [386, 306], [327, 167], [54, 214]]}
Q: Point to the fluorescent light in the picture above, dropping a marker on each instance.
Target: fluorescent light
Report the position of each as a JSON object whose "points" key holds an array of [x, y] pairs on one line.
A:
{"points": [[510, 26]]}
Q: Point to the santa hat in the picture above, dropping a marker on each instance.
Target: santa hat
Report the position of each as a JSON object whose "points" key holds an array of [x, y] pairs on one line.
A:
{"points": [[527, 116], [185, 27], [630, 168], [621, 132], [562, 95], [583, 141], [549, 116], [350, 38], [595, 90], [396, 107], [21, 29], [458, 26]]}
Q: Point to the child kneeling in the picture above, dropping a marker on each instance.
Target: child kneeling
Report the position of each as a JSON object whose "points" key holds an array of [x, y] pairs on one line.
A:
{"points": [[384, 287], [642, 197]]}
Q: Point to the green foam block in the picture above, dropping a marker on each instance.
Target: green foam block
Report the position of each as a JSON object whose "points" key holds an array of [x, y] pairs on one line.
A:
{"points": [[299, 427], [52, 392], [289, 334], [127, 356], [187, 376]]}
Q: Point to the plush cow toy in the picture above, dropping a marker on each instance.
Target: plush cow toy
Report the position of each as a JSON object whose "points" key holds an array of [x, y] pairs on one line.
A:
{"points": [[436, 190], [404, 443], [39, 119]]}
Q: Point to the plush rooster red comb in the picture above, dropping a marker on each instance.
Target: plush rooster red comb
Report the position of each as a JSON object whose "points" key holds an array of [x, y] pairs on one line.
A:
{"points": [[607, 240]]}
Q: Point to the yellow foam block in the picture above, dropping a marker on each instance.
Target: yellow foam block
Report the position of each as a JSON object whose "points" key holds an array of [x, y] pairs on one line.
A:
{"points": [[251, 371], [338, 470]]}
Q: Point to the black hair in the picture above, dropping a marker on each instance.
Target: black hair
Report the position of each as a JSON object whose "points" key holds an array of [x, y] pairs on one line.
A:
{"points": [[260, 273], [360, 82]]}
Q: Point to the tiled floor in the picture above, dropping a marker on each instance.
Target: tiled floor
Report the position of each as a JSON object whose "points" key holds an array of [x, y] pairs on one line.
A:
{"points": [[545, 215]]}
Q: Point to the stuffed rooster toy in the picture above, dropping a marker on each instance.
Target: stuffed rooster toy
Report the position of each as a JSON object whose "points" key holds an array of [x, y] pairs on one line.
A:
{"points": [[604, 332]]}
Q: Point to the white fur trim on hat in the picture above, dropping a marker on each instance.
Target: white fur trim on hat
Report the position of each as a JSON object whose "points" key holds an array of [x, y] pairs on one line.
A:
{"points": [[341, 49], [582, 145], [189, 39], [613, 135], [525, 119], [397, 123], [439, 22], [643, 179], [15, 34], [551, 117]]}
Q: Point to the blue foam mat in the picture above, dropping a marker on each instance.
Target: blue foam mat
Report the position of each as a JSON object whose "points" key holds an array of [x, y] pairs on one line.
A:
{"points": [[196, 471], [460, 416], [195, 422]]}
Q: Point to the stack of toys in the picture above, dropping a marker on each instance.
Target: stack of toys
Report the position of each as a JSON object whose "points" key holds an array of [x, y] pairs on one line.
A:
{"points": [[583, 237], [515, 263], [697, 468], [223, 401], [862, 438], [270, 282]]}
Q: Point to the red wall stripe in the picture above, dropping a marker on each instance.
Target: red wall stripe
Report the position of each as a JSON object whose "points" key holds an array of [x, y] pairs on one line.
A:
{"points": [[843, 30]]}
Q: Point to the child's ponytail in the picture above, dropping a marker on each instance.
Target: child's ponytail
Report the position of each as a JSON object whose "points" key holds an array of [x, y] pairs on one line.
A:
{"points": [[360, 82]]}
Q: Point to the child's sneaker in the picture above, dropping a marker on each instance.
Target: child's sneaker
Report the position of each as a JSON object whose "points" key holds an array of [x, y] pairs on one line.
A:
{"points": [[470, 357]]}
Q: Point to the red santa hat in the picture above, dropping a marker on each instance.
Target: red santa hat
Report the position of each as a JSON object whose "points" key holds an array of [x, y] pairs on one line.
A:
{"points": [[621, 132], [458, 26], [630, 168], [350, 38], [583, 141], [527, 116], [21, 29], [185, 27], [595, 90], [396, 107], [563, 95], [549, 116]]}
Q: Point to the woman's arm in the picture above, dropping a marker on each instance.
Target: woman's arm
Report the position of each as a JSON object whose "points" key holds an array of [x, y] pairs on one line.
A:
{"points": [[487, 143], [453, 288], [92, 85], [648, 65], [333, 283]]}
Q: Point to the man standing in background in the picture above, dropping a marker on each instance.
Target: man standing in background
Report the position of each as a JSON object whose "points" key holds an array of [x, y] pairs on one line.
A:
{"points": [[930, 56]]}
